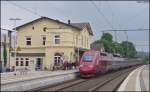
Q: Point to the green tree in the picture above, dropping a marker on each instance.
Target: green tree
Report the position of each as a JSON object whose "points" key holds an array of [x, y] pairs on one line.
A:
{"points": [[107, 41], [96, 45], [107, 36], [118, 48], [128, 49], [125, 48], [5, 55], [107, 46]]}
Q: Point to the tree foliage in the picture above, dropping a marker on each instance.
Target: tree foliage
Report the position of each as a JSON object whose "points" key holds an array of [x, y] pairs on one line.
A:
{"points": [[107, 41], [5, 55], [107, 36], [125, 48], [128, 49], [96, 45]]}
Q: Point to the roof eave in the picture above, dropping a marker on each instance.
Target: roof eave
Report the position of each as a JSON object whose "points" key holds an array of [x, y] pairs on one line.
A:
{"points": [[16, 28]]}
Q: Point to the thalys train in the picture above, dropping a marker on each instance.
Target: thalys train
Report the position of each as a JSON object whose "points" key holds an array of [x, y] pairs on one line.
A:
{"points": [[95, 62]]}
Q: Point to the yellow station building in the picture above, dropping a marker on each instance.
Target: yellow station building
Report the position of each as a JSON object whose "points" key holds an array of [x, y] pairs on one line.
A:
{"points": [[46, 42]]}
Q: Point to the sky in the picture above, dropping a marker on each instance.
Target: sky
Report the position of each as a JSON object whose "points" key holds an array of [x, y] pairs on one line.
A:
{"points": [[102, 15]]}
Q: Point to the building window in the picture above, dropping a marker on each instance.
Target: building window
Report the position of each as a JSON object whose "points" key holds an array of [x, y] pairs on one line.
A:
{"points": [[21, 58], [32, 27], [21, 63], [57, 59], [57, 39], [44, 29], [17, 63], [27, 58], [17, 58], [27, 63], [28, 41], [44, 40]]}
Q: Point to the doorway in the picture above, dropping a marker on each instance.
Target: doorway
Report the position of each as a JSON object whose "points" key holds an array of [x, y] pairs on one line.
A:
{"points": [[58, 63], [39, 63]]}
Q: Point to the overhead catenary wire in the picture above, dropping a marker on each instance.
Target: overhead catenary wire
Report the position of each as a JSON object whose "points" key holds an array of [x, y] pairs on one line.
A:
{"points": [[99, 11], [134, 16], [21, 7], [115, 32], [140, 29], [141, 45]]}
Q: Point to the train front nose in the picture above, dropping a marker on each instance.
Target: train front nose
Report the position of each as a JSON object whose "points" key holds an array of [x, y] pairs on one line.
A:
{"points": [[87, 69]]}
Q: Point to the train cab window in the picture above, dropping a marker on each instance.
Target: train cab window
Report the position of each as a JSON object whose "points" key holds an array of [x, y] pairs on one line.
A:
{"points": [[103, 54], [87, 58]]}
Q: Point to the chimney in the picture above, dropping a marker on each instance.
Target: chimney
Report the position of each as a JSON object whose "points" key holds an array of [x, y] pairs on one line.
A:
{"points": [[68, 21]]}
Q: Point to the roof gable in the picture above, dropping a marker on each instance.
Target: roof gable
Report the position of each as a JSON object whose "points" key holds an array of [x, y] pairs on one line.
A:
{"points": [[82, 25], [47, 19], [78, 26]]}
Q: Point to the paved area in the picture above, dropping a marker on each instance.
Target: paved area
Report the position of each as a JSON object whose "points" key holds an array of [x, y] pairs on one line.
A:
{"points": [[137, 80], [11, 77], [145, 78], [106, 82]]}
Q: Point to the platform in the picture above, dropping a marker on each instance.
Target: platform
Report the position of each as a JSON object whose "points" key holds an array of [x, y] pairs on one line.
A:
{"points": [[137, 80], [34, 79]]}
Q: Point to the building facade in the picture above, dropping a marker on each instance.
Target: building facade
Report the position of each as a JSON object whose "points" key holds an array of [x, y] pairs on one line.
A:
{"points": [[45, 43]]}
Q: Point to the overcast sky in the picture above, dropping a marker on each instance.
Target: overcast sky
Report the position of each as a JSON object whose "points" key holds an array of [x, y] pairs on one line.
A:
{"points": [[102, 15]]}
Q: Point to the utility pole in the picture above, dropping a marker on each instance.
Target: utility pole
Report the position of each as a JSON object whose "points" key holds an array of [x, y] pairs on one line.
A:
{"points": [[127, 41], [115, 40], [15, 42]]}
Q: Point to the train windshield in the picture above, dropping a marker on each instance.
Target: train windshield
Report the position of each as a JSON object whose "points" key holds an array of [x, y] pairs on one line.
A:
{"points": [[87, 58]]}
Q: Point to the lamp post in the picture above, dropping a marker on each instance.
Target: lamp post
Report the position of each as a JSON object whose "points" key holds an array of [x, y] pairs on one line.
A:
{"points": [[15, 42]]}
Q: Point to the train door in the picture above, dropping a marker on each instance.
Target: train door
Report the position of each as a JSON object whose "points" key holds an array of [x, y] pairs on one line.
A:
{"points": [[97, 63]]}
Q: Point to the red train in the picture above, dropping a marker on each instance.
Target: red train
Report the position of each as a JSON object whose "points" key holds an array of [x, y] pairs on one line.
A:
{"points": [[94, 62]]}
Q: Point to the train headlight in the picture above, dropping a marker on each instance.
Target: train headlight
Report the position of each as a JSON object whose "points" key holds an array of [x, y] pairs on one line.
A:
{"points": [[91, 66], [81, 66]]}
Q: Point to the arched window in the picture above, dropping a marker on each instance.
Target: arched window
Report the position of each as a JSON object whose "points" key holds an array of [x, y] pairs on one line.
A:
{"points": [[57, 59]]}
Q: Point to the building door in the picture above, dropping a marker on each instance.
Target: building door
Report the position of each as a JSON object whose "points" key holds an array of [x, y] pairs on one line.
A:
{"points": [[58, 64], [57, 60], [39, 63]]}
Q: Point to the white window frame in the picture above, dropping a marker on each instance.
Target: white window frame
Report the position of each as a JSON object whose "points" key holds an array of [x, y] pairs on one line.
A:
{"points": [[28, 40], [56, 39]]}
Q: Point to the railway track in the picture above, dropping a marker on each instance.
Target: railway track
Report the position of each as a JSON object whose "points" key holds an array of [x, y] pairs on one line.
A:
{"points": [[106, 82]]}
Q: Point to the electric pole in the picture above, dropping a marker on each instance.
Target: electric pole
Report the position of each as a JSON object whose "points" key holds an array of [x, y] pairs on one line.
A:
{"points": [[15, 42], [127, 42]]}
